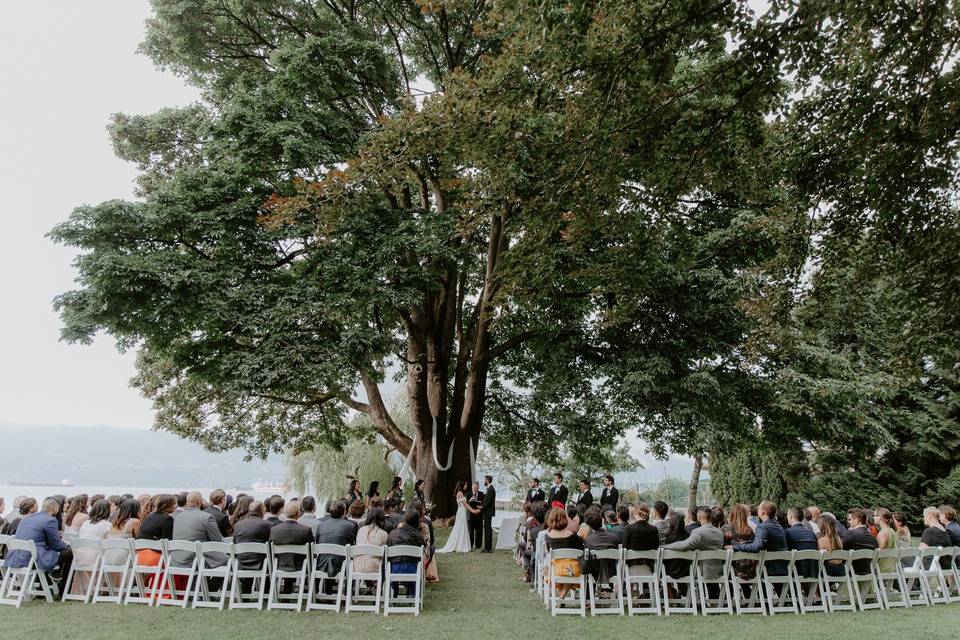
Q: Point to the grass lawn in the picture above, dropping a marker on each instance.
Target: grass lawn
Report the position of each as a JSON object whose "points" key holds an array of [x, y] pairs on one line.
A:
{"points": [[479, 596]]}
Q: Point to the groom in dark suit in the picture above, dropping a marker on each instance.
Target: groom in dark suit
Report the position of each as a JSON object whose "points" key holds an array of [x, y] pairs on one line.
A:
{"points": [[488, 510]]}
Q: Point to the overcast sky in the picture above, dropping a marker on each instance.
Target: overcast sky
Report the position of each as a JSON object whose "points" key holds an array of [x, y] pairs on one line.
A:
{"points": [[66, 67]]}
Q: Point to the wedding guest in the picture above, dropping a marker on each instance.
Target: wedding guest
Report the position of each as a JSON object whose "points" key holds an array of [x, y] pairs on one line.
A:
{"points": [[426, 530], [26, 507], [600, 539], [768, 536], [800, 538], [584, 498], [904, 537], [373, 533], [274, 505], [407, 533], [676, 567], [97, 525], [354, 493], [829, 540], [125, 526], [195, 525], [558, 492], [156, 525], [418, 491], [886, 538], [374, 490], [53, 554], [534, 492], [948, 518], [396, 489], [537, 526], [573, 518], [76, 514], [61, 502], [289, 531], [181, 501], [706, 537], [309, 516], [146, 506], [641, 536], [249, 526], [935, 535], [15, 510], [336, 530], [3, 519], [612, 523], [610, 496], [217, 508], [739, 531], [357, 513], [857, 537], [559, 537], [114, 501], [660, 520], [392, 514]]}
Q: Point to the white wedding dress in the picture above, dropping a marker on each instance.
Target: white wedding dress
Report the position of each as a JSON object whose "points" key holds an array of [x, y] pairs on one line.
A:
{"points": [[459, 540]]}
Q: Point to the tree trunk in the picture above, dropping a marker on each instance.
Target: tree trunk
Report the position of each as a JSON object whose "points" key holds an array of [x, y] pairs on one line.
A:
{"points": [[439, 486], [694, 482]]}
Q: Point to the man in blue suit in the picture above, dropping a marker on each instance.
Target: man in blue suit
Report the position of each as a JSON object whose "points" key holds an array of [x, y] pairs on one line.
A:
{"points": [[52, 552], [800, 538], [768, 536]]}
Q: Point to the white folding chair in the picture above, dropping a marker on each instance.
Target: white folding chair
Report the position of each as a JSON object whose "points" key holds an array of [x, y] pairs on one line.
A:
{"points": [[953, 576], [866, 586], [256, 578], [21, 582], [114, 567], [300, 576], [203, 594], [917, 587], [937, 589], [69, 537], [83, 570], [838, 588], [809, 589], [646, 583], [170, 595], [573, 583], [357, 580], [3, 545], [743, 603], [680, 603], [607, 605], [317, 596], [507, 535], [407, 603], [780, 593], [144, 582], [543, 567], [893, 588], [723, 603]]}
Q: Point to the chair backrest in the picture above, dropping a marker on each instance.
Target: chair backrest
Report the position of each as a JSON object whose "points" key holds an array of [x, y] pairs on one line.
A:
{"points": [[4, 537], [87, 543], [250, 547], [747, 555], [605, 554], [152, 545], [182, 545], [651, 554], [931, 557], [673, 554], [837, 555], [330, 549], [366, 550], [714, 554], [887, 553], [407, 550], [216, 547], [564, 554], [22, 545], [864, 554]]}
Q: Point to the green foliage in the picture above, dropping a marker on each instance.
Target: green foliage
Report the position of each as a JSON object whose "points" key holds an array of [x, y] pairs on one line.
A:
{"points": [[749, 476]]}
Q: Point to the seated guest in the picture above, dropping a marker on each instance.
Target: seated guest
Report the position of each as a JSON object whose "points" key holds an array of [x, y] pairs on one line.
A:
{"points": [[406, 533], [146, 505], [181, 501], [158, 525], [935, 535], [808, 520], [739, 531], [25, 507], [426, 530], [856, 537], [677, 567], [53, 554], [96, 526], [948, 518], [538, 512], [14, 512], [829, 540], [600, 538], [904, 537], [841, 529], [195, 525], [754, 519], [309, 517], [114, 501], [573, 518], [611, 522], [126, 526], [335, 530], [641, 536], [660, 520], [623, 519], [374, 533], [3, 519], [559, 537], [692, 521], [800, 538], [768, 536], [249, 526], [289, 531], [356, 513], [886, 538], [392, 514], [76, 513], [274, 505], [218, 509], [706, 537]]}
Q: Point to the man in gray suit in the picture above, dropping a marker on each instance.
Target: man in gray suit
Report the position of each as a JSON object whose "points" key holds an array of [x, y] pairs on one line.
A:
{"points": [[706, 537], [196, 525], [309, 517]]}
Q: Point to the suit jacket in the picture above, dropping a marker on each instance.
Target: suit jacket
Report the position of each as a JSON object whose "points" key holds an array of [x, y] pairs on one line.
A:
{"points": [[585, 498], [405, 535], [290, 532], [535, 495], [704, 538], [641, 536], [222, 519], [768, 536], [859, 538], [489, 508], [800, 538], [392, 521], [251, 529], [40, 527], [197, 526], [953, 530], [310, 520], [610, 496], [334, 531], [558, 493]]}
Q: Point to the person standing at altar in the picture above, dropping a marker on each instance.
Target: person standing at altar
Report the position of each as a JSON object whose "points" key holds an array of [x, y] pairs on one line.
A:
{"points": [[558, 492], [535, 493], [610, 496], [488, 510], [585, 498], [475, 520]]}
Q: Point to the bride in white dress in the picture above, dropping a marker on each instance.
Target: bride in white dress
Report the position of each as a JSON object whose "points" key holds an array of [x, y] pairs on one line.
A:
{"points": [[459, 540]]}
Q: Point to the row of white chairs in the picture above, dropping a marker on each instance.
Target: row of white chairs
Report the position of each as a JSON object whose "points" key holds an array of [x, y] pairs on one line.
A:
{"points": [[916, 579], [108, 571]]}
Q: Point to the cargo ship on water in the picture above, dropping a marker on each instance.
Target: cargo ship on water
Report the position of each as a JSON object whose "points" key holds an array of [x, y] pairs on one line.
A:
{"points": [[63, 483]]}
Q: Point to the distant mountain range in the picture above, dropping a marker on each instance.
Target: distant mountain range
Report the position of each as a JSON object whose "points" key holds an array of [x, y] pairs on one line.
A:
{"points": [[109, 456]]}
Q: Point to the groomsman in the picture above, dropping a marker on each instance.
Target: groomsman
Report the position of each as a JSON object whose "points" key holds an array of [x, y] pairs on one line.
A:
{"points": [[558, 492], [535, 494], [475, 520], [585, 498], [610, 495]]}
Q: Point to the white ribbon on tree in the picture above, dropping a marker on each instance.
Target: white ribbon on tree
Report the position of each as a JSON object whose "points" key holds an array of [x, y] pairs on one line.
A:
{"points": [[407, 468]]}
